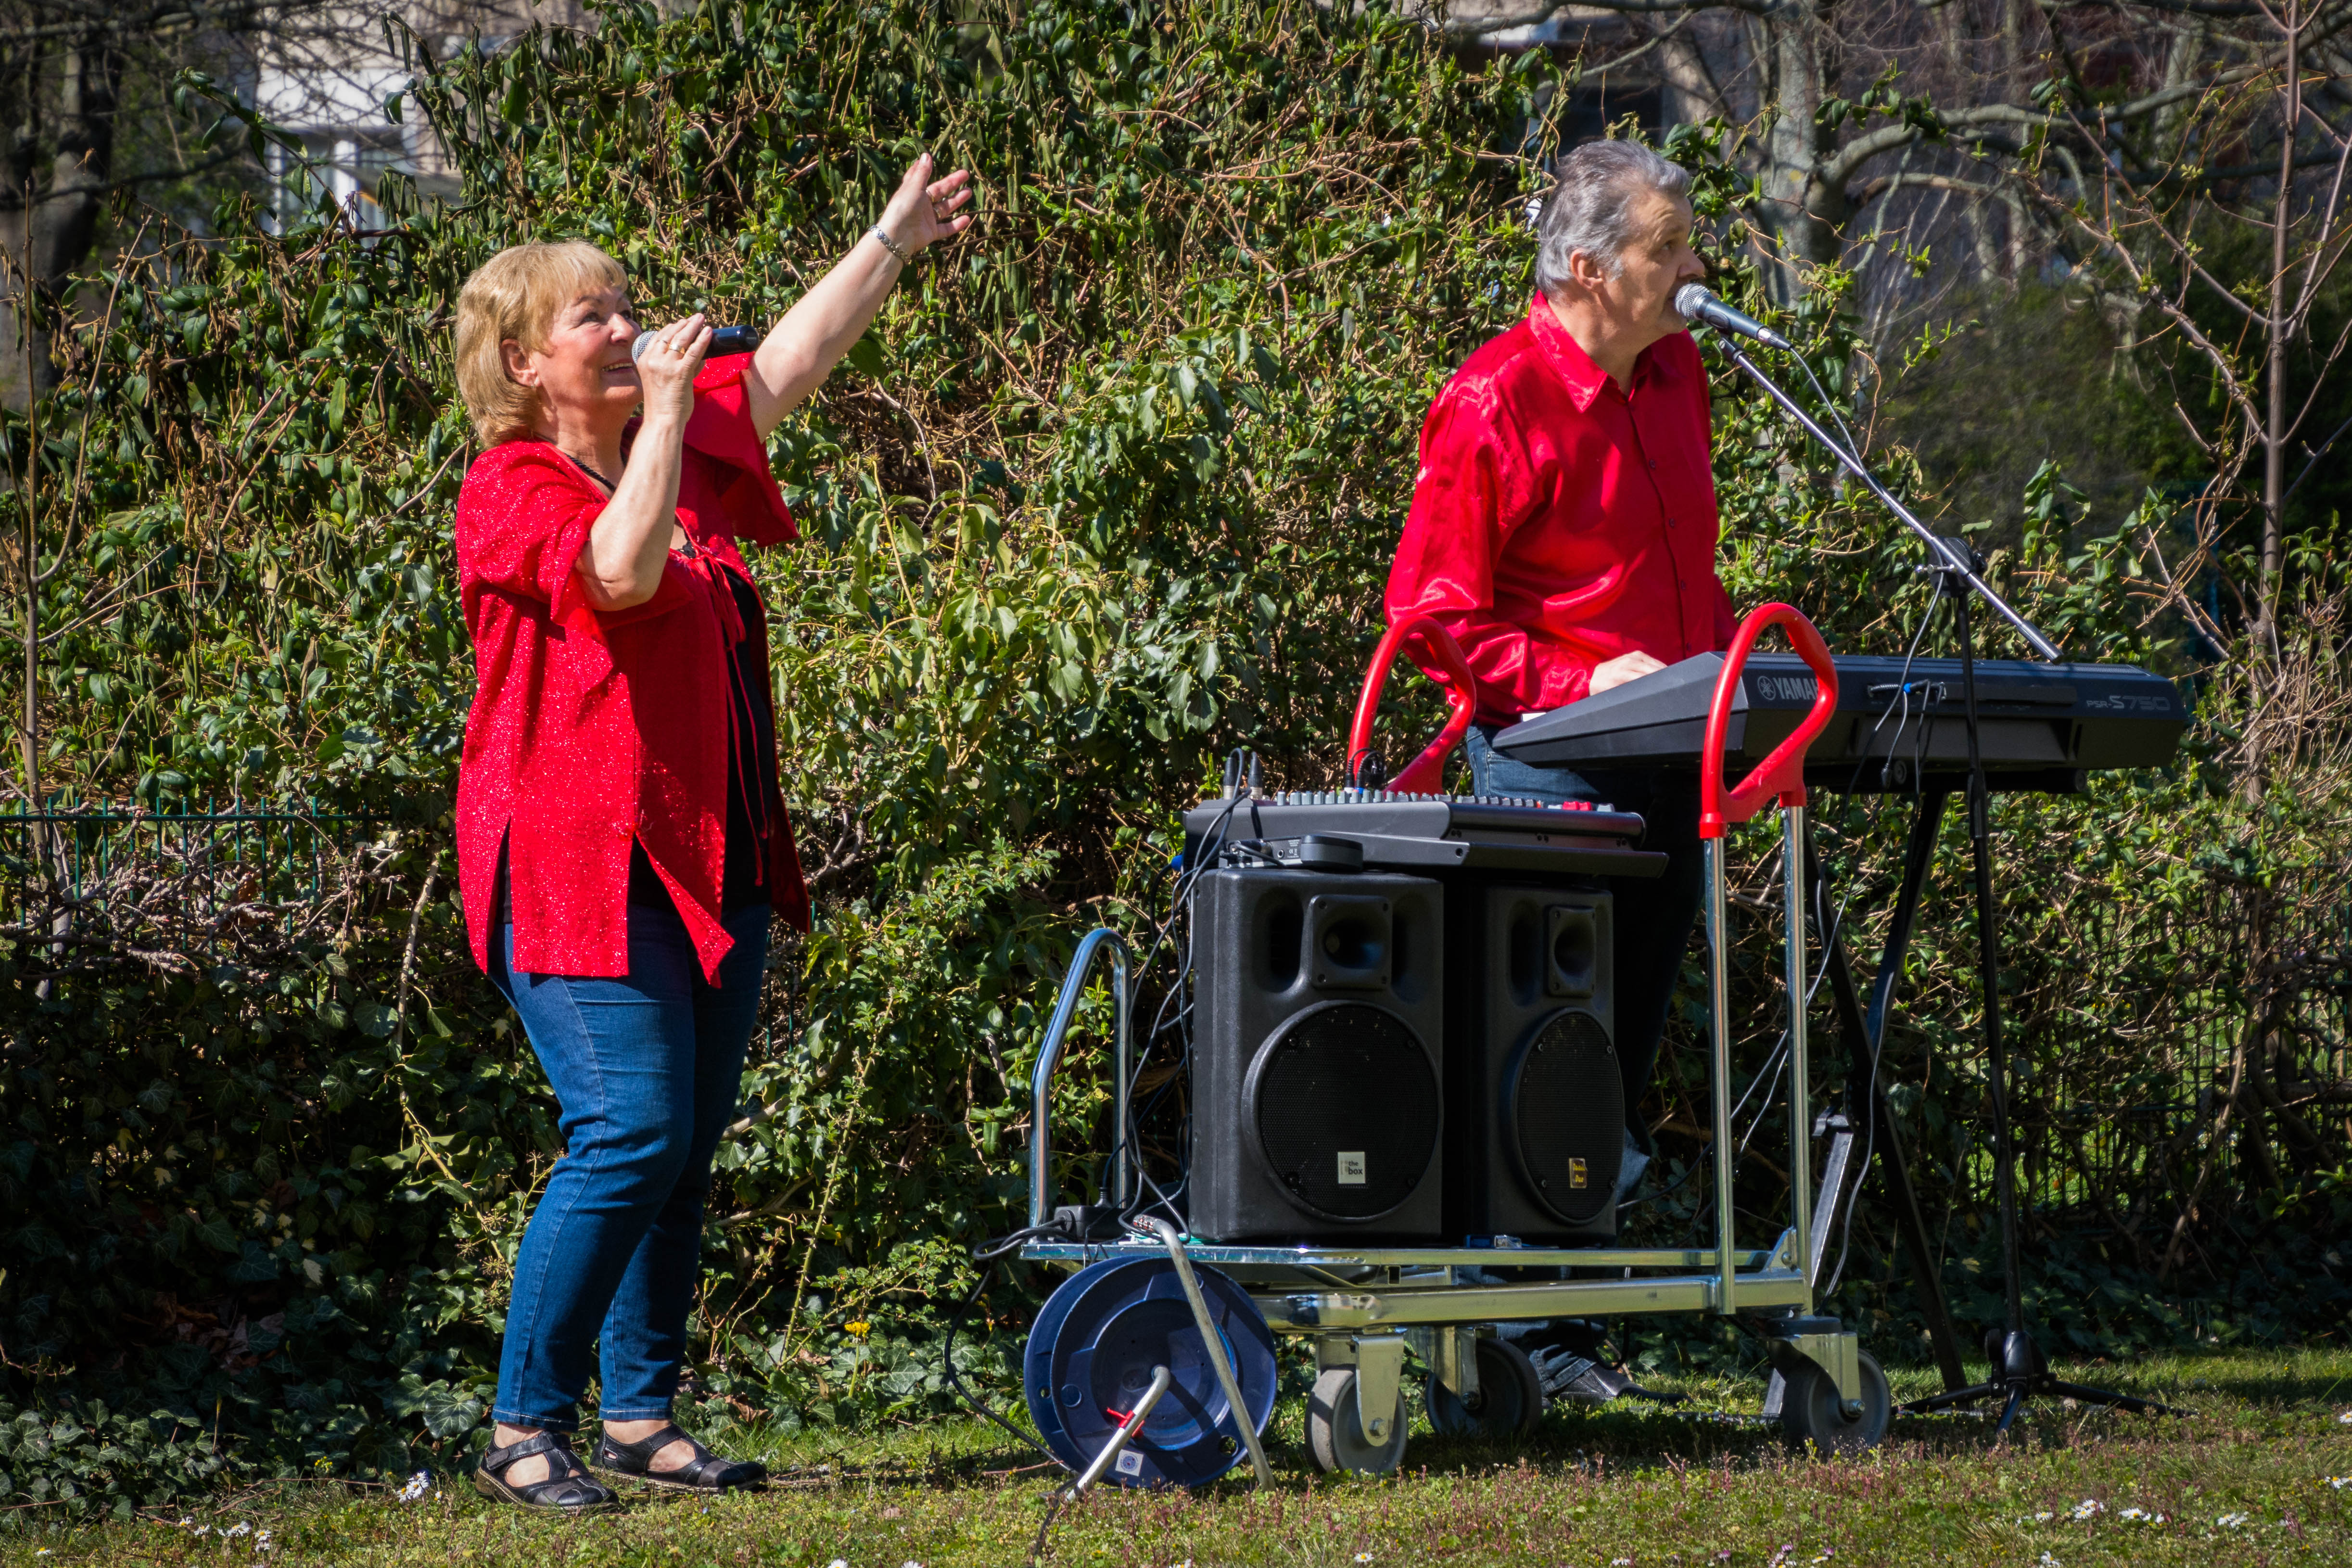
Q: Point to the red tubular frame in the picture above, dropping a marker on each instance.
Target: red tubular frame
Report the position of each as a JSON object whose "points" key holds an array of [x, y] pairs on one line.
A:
{"points": [[1782, 775], [1426, 775]]}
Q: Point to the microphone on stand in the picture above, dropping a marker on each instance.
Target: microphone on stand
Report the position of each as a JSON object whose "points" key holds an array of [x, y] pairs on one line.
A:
{"points": [[724, 340], [1696, 304]]}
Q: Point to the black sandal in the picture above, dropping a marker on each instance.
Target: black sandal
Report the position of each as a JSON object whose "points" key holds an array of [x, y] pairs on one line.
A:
{"points": [[706, 1472], [568, 1489]]}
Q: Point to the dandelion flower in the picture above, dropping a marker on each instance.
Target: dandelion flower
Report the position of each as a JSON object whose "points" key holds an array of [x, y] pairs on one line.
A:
{"points": [[858, 1329]]}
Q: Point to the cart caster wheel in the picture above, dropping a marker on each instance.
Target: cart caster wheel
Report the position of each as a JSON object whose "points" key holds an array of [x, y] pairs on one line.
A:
{"points": [[1811, 1413], [1509, 1402], [1334, 1434]]}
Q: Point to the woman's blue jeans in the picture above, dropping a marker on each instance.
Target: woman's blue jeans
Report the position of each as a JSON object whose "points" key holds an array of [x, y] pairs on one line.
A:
{"points": [[647, 1069]]}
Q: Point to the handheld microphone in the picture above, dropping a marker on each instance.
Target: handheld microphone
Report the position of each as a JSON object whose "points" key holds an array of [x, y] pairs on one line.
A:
{"points": [[1696, 304], [723, 340]]}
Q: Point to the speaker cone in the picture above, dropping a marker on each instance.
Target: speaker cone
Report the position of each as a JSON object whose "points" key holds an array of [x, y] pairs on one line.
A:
{"points": [[1347, 1108], [1564, 1115]]}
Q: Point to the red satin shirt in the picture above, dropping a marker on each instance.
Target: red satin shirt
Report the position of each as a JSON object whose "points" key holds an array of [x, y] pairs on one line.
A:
{"points": [[593, 730], [1559, 521]]}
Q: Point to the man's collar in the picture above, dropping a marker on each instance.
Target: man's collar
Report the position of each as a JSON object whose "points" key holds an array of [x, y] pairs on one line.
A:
{"points": [[1584, 378]]}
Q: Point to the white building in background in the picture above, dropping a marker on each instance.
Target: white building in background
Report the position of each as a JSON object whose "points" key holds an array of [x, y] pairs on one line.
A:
{"points": [[328, 85]]}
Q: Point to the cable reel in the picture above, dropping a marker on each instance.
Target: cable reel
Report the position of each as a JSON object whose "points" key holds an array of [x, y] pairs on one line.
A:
{"points": [[1091, 1358]]}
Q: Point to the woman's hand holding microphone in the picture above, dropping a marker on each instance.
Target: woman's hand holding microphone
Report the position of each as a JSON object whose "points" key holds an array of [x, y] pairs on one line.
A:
{"points": [[668, 361]]}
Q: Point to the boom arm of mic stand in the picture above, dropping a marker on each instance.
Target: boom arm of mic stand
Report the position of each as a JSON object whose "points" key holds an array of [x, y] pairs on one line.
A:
{"points": [[1942, 552]]}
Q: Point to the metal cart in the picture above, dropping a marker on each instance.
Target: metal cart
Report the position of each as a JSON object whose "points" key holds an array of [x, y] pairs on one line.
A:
{"points": [[1364, 1307]]}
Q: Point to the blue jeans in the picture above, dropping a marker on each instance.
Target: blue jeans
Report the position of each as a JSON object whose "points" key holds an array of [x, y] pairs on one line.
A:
{"points": [[1652, 918], [646, 1069]]}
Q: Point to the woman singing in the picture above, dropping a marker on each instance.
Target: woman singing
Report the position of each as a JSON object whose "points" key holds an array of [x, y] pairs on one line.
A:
{"points": [[621, 833]]}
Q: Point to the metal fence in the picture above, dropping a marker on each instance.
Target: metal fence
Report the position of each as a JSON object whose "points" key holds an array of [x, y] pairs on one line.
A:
{"points": [[205, 872], [2185, 1059]]}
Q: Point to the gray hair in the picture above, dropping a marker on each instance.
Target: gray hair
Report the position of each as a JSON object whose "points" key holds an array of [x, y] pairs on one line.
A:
{"points": [[1590, 208]]}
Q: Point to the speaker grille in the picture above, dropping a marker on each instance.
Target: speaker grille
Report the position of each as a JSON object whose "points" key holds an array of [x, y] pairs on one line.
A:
{"points": [[1564, 1105], [1347, 1109]]}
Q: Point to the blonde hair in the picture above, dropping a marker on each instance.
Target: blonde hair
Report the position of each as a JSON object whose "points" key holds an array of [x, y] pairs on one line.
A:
{"points": [[516, 294]]}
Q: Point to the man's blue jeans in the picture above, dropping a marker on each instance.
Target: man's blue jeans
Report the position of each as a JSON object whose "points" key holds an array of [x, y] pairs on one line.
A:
{"points": [[646, 1069]]}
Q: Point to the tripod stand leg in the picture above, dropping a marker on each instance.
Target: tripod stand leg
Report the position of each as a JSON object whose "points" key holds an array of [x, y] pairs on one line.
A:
{"points": [[2009, 1411], [1947, 1399], [2085, 1395]]}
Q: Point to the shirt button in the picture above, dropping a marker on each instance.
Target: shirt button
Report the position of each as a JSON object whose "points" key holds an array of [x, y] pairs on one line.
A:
{"points": [[1670, 523]]}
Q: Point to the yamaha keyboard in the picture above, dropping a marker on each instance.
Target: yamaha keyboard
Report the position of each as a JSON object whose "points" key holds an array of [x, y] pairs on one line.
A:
{"points": [[2039, 726]]}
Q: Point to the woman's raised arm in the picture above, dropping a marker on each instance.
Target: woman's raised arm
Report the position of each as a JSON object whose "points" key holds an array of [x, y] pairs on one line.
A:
{"points": [[804, 347]]}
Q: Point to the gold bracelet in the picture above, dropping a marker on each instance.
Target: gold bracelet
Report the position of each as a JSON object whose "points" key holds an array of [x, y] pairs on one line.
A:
{"points": [[878, 232]]}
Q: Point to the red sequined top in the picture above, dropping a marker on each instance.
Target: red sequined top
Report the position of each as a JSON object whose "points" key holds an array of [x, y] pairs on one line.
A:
{"points": [[592, 730], [1559, 521]]}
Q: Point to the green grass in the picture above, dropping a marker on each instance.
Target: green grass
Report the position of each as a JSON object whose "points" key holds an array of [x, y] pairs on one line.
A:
{"points": [[2263, 1438]]}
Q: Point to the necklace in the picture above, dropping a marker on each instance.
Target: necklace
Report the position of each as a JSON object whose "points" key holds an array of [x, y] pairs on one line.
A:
{"points": [[593, 474], [688, 547]]}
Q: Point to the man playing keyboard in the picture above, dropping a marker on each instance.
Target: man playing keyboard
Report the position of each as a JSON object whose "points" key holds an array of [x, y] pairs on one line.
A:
{"points": [[1563, 528]]}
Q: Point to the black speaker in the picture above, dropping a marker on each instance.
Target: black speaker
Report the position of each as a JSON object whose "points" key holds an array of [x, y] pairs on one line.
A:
{"points": [[1537, 1131], [1317, 1083]]}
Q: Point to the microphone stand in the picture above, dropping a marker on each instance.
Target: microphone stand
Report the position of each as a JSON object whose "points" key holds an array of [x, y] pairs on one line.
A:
{"points": [[2019, 1370]]}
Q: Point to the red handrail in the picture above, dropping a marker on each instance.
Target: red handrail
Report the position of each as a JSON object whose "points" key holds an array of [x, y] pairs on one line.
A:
{"points": [[1783, 772], [1426, 775]]}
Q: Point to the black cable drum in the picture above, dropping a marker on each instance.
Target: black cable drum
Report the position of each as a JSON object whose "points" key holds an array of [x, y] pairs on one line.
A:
{"points": [[1564, 1107], [1347, 1108]]}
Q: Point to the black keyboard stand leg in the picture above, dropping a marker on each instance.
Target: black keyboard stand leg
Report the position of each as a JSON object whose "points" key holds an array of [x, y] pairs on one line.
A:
{"points": [[1867, 1097]]}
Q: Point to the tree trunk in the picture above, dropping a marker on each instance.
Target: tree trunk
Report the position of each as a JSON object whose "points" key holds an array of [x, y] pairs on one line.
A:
{"points": [[65, 218], [1807, 212], [2275, 431]]}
